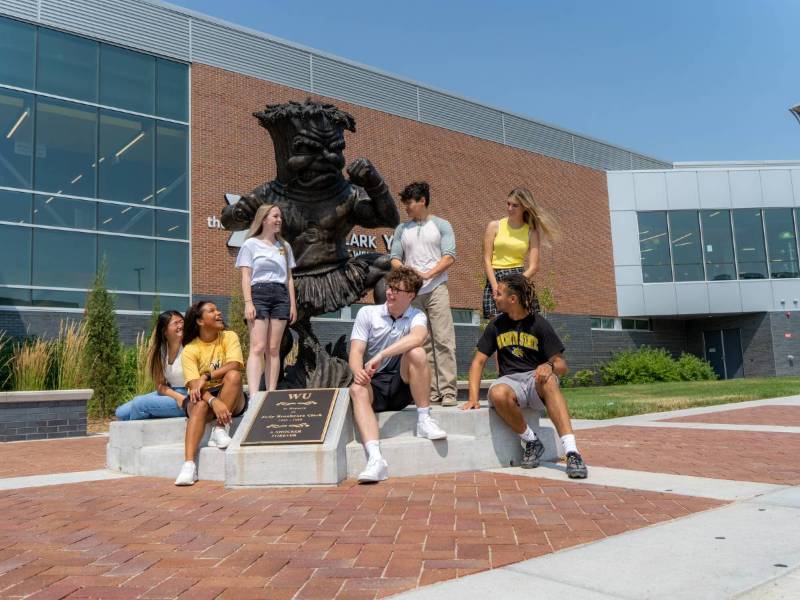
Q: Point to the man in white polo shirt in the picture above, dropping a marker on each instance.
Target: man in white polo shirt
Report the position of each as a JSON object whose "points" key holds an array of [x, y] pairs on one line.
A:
{"points": [[390, 369], [427, 244]]}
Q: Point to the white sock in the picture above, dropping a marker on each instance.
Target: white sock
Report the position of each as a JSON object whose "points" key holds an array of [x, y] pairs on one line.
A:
{"points": [[528, 435], [569, 443], [373, 449], [423, 413]]}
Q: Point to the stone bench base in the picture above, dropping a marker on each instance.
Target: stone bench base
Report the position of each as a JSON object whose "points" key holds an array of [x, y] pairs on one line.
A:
{"points": [[476, 439]]}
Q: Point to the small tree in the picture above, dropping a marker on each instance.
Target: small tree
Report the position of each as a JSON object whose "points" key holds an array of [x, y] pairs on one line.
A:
{"points": [[102, 347]]}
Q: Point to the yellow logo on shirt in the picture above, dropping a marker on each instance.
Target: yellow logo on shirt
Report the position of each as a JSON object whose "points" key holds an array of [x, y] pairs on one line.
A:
{"points": [[518, 338]]}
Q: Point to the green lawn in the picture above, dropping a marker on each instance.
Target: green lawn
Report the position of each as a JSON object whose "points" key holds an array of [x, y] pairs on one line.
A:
{"points": [[608, 402]]}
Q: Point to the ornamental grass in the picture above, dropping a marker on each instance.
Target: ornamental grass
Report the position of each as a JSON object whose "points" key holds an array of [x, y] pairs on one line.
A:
{"points": [[29, 365], [70, 356]]}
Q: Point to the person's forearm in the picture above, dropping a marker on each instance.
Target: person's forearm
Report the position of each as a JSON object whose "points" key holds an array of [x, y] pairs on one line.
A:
{"points": [[475, 374], [396, 263], [403, 345], [291, 290], [489, 269], [440, 267], [223, 370], [247, 293], [559, 366], [356, 361]]}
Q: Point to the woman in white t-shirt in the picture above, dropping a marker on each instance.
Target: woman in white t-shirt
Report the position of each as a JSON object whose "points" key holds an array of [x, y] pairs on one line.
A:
{"points": [[266, 261], [164, 364]]}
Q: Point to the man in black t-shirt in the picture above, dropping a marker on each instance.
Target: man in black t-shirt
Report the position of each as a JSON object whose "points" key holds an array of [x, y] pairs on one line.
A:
{"points": [[530, 356]]}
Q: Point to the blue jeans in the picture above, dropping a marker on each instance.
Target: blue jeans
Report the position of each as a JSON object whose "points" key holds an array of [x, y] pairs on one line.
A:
{"points": [[151, 406]]}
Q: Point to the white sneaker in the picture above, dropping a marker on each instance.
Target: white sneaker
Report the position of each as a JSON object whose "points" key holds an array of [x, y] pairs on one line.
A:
{"points": [[219, 437], [188, 474], [376, 470], [428, 428]]}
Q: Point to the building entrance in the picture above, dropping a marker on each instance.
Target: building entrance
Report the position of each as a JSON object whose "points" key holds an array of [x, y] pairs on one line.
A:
{"points": [[723, 349]]}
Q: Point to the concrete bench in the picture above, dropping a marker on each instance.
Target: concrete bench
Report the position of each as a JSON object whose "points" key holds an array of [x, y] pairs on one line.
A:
{"points": [[476, 439]]}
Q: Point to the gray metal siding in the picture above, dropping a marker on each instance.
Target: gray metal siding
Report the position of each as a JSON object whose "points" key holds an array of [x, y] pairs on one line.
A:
{"points": [[171, 31], [535, 137], [460, 115], [127, 23], [367, 88], [219, 46], [24, 9]]}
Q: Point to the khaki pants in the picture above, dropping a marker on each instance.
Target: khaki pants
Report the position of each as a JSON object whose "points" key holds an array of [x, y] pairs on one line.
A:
{"points": [[441, 344]]}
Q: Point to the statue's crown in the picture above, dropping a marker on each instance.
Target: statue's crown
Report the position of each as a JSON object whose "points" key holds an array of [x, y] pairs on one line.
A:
{"points": [[276, 113]]}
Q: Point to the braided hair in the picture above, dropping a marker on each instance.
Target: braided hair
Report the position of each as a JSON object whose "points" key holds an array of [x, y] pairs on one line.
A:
{"points": [[519, 286]]}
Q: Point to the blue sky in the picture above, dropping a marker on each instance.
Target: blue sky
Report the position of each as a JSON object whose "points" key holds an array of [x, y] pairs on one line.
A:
{"points": [[679, 80]]}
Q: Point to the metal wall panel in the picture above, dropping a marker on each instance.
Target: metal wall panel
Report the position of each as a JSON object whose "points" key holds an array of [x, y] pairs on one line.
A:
{"points": [[625, 238], [133, 24], [692, 298], [724, 297], [24, 9], [659, 299], [796, 186], [745, 188], [630, 301], [621, 194], [651, 191], [538, 138], [364, 87], [600, 156], [219, 46], [460, 115], [776, 185], [715, 189], [682, 190]]}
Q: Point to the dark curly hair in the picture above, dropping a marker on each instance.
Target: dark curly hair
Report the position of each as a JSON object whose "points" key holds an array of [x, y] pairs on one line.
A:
{"points": [[520, 287], [416, 191], [406, 276], [191, 329]]}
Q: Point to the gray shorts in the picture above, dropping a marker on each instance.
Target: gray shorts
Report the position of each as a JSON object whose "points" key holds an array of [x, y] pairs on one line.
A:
{"points": [[524, 388]]}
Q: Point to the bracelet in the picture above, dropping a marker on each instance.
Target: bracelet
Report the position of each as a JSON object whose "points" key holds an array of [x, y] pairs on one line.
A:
{"points": [[246, 301], [552, 366], [211, 401]]}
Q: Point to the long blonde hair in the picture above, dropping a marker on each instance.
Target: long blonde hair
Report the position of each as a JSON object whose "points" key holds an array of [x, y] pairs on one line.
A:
{"points": [[258, 220], [536, 216]]}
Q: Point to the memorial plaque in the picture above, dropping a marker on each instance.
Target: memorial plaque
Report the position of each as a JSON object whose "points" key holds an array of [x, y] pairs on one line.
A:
{"points": [[292, 417]]}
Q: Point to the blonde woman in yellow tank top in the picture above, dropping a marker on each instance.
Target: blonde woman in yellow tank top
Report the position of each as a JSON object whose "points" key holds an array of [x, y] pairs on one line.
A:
{"points": [[511, 245]]}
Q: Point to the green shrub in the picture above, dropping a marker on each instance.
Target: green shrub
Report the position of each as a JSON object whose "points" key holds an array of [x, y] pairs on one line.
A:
{"points": [[644, 365], [585, 377], [693, 368], [103, 348]]}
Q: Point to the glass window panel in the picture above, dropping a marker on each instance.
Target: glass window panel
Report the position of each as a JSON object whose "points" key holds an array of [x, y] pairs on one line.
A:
{"points": [[15, 297], [127, 79], [654, 247], [64, 212], [173, 267], [628, 324], [748, 235], [16, 139], [607, 322], [179, 303], [64, 258], [687, 255], [16, 242], [461, 315], [172, 224], [172, 166], [172, 93], [596, 323], [126, 152], [781, 243], [66, 144], [17, 47], [15, 207], [131, 262], [59, 298], [133, 302], [718, 245], [125, 219], [643, 324], [67, 65]]}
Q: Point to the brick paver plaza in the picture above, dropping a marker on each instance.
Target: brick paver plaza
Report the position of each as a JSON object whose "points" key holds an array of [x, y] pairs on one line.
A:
{"points": [[139, 537]]}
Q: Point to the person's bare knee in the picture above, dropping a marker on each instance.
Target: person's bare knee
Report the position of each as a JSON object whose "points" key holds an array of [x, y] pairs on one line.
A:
{"points": [[502, 396], [233, 377], [359, 393], [417, 357]]}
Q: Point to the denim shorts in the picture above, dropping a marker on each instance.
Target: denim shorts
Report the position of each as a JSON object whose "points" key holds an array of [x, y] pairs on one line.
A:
{"points": [[271, 300]]}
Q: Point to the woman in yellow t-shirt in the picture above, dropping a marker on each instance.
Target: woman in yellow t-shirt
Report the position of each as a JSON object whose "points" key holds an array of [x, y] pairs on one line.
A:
{"points": [[212, 364], [514, 240]]}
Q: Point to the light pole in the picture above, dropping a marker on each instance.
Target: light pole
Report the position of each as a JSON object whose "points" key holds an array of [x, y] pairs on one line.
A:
{"points": [[795, 110]]}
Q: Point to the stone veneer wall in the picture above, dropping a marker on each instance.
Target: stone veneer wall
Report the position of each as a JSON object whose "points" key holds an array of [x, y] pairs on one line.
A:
{"points": [[42, 420]]}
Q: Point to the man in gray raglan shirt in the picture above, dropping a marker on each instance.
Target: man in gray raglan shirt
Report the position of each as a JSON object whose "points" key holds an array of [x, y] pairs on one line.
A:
{"points": [[426, 244]]}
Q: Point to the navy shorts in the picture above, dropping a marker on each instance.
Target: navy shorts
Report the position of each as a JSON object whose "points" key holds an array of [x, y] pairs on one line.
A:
{"points": [[390, 392], [271, 300]]}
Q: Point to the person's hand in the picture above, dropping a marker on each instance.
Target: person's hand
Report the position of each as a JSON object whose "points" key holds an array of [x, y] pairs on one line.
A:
{"points": [[373, 363], [426, 275], [470, 405], [292, 314], [494, 290], [542, 373], [221, 411], [361, 377], [249, 311]]}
